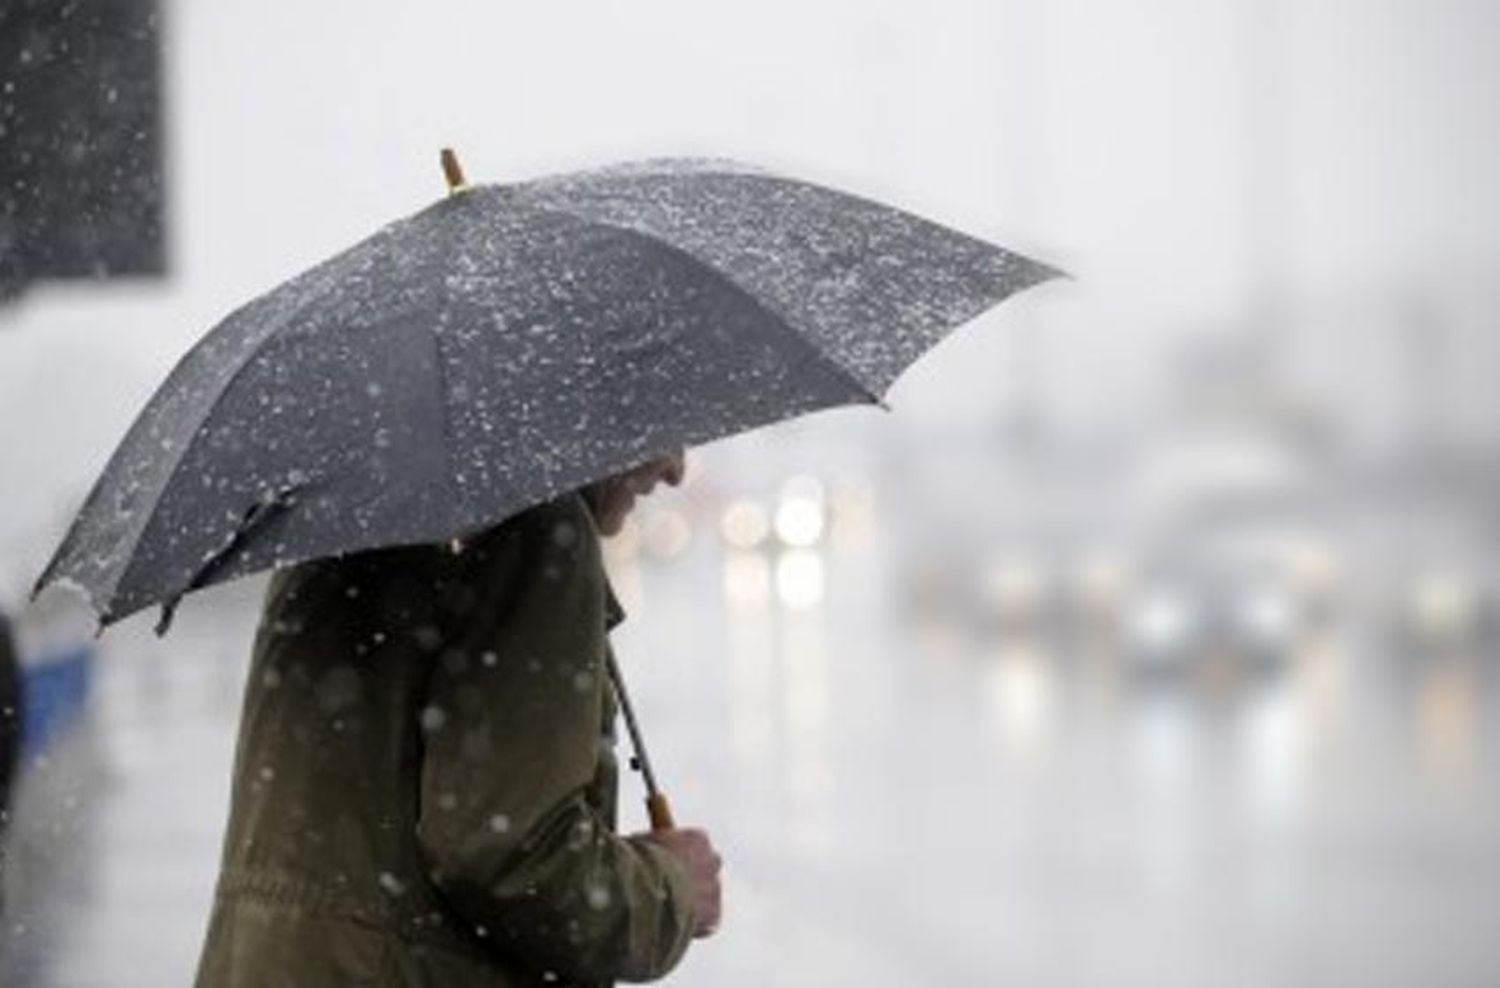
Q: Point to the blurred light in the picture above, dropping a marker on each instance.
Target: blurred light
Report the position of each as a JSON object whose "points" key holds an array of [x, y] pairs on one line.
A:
{"points": [[747, 579], [667, 534], [854, 517], [1021, 690], [1449, 721], [1273, 731], [1164, 620], [1101, 580], [799, 522], [803, 676], [799, 579], [799, 517], [1269, 615], [746, 524], [1015, 586], [1313, 566], [1443, 606], [752, 654]]}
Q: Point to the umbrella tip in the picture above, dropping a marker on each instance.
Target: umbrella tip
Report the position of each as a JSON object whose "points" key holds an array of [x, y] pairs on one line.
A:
{"points": [[168, 612], [453, 172]]}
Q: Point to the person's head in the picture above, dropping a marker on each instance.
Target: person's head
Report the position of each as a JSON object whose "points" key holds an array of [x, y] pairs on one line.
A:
{"points": [[612, 498]]}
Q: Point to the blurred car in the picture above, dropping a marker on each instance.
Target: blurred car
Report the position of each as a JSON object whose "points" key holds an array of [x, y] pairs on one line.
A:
{"points": [[1247, 601], [1451, 608]]}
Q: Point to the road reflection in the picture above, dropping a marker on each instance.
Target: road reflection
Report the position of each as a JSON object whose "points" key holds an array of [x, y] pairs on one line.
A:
{"points": [[930, 767]]}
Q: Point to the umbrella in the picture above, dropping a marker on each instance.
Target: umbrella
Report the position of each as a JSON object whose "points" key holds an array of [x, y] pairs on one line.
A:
{"points": [[507, 344]]}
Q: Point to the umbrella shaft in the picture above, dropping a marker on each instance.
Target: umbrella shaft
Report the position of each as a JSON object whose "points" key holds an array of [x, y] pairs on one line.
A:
{"points": [[636, 741]]}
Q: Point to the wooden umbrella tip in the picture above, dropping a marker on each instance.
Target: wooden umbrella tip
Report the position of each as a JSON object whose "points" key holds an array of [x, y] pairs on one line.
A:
{"points": [[453, 171]]}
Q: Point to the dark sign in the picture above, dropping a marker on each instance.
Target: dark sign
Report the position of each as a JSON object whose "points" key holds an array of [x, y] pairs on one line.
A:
{"points": [[80, 141]]}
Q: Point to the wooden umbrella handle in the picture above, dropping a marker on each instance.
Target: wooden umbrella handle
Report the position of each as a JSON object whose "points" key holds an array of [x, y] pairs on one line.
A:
{"points": [[660, 812], [452, 171]]}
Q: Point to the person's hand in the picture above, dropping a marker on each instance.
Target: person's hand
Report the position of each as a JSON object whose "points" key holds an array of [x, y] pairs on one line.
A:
{"points": [[692, 849]]}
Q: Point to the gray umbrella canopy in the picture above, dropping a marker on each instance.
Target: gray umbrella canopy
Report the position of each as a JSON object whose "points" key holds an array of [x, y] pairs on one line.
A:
{"points": [[508, 344]]}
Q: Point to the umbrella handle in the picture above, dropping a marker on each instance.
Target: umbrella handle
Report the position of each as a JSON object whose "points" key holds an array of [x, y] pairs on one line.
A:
{"points": [[660, 812], [453, 172]]}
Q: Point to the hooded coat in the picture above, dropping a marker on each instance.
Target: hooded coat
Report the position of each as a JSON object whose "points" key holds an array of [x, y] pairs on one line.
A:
{"points": [[424, 787]]}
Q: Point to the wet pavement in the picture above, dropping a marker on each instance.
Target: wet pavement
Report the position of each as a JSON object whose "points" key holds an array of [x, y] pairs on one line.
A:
{"points": [[900, 797]]}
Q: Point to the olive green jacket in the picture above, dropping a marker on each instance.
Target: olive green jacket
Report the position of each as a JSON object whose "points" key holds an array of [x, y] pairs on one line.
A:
{"points": [[424, 788]]}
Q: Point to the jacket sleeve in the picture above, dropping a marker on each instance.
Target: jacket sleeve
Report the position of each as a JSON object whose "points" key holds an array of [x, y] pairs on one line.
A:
{"points": [[511, 743]]}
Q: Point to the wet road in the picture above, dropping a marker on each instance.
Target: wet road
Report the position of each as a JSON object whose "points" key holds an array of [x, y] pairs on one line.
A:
{"points": [[900, 799]]}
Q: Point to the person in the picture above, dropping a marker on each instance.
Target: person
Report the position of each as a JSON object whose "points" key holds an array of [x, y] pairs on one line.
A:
{"points": [[424, 785]]}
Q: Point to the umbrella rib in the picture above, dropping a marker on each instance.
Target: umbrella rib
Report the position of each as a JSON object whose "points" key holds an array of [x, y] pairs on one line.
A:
{"points": [[815, 354], [270, 339], [149, 515], [982, 303], [439, 358], [463, 516], [254, 519]]}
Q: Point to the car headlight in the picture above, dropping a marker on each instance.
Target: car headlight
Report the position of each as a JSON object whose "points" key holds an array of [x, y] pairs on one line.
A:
{"points": [[1268, 615], [1164, 620]]}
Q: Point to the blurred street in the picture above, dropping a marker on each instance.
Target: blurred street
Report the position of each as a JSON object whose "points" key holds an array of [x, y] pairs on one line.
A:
{"points": [[905, 794]]}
